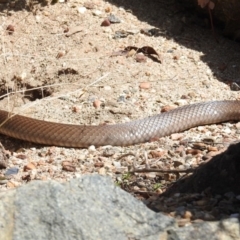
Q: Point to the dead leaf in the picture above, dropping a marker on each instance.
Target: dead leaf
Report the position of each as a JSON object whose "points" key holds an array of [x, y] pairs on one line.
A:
{"points": [[148, 50]]}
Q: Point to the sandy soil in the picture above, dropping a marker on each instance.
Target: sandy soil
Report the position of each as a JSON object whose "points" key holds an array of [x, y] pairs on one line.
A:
{"points": [[63, 66]]}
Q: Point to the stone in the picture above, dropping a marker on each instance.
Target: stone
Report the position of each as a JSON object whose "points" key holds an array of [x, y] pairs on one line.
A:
{"points": [[91, 207]]}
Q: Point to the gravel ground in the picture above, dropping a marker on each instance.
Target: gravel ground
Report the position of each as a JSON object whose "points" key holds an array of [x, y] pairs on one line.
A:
{"points": [[63, 66]]}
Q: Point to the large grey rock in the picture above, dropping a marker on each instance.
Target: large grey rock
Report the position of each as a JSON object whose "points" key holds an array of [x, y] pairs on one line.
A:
{"points": [[88, 208], [92, 207]]}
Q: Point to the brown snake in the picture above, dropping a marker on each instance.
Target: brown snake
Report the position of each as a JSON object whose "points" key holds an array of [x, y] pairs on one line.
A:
{"points": [[138, 131]]}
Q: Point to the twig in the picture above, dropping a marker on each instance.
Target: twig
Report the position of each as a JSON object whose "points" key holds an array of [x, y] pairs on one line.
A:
{"points": [[125, 155], [212, 26], [66, 94], [163, 170]]}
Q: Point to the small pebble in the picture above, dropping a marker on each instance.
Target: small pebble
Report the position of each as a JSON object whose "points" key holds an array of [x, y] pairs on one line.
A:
{"points": [[82, 10], [96, 13], [107, 88], [145, 85], [105, 23], [10, 29], [183, 222], [181, 102], [187, 214], [102, 171], [211, 148], [108, 152], [98, 164], [200, 202], [117, 164], [234, 215], [167, 108], [140, 58], [157, 154], [68, 166], [3, 181], [11, 171], [193, 151], [131, 53], [108, 9], [76, 109], [151, 175], [97, 103], [176, 136], [10, 184], [199, 145], [238, 125], [29, 166], [91, 149]]}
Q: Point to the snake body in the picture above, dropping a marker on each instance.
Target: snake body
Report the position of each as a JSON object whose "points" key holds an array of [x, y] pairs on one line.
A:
{"points": [[138, 131]]}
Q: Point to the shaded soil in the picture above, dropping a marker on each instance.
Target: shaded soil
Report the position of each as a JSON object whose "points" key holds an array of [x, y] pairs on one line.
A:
{"points": [[217, 176]]}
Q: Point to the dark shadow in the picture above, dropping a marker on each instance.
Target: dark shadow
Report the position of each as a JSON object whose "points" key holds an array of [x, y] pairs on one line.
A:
{"points": [[218, 176], [173, 20], [19, 5], [181, 23], [212, 191]]}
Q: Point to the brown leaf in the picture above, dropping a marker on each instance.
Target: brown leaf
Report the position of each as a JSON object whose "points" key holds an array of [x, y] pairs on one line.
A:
{"points": [[148, 50]]}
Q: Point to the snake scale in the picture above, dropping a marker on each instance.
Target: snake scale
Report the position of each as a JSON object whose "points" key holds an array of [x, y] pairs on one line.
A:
{"points": [[138, 131]]}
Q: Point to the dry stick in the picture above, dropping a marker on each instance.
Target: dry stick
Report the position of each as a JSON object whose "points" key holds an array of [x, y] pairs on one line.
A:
{"points": [[211, 20], [4, 52], [148, 169], [67, 94], [56, 84], [48, 58], [153, 169], [125, 155], [41, 87], [163, 171]]}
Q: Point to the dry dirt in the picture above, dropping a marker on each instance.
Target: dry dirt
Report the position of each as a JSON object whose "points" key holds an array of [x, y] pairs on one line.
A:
{"points": [[82, 77]]}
